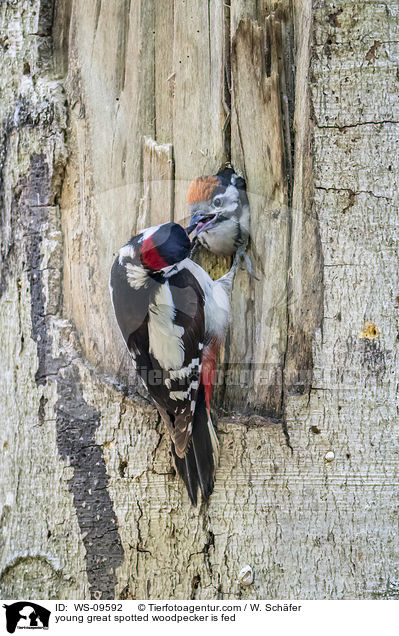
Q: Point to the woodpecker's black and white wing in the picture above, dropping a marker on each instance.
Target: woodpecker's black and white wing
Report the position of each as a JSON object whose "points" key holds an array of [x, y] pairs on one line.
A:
{"points": [[170, 360], [130, 293], [162, 320]]}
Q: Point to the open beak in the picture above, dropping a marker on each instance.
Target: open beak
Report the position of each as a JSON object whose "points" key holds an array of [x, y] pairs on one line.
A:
{"points": [[199, 222]]}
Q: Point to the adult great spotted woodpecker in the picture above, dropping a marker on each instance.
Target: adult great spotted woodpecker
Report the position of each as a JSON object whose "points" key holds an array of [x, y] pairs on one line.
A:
{"points": [[173, 318], [219, 211]]}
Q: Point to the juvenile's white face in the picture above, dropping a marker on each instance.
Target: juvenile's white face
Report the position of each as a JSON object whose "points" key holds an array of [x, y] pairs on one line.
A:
{"points": [[219, 211], [223, 223], [230, 199], [224, 203]]}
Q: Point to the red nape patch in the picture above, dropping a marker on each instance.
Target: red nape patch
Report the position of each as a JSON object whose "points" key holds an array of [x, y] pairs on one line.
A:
{"points": [[150, 256], [208, 371]]}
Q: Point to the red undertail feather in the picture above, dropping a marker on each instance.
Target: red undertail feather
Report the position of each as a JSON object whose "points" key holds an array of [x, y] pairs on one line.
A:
{"points": [[208, 372]]}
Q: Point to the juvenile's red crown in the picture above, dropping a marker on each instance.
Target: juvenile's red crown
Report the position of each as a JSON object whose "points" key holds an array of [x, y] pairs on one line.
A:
{"points": [[201, 189]]}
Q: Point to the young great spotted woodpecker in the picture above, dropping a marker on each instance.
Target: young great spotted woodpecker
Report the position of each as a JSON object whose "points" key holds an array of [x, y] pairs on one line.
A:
{"points": [[173, 318], [219, 211]]}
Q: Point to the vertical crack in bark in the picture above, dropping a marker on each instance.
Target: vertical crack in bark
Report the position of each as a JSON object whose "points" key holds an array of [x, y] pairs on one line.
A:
{"points": [[305, 314], [288, 127], [46, 17], [209, 37], [139, 544], [227, 77], [123, 41]]}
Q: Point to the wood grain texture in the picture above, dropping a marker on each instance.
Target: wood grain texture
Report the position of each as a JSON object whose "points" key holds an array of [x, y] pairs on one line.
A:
{"points": [[198, 114], [259, 340], [165, 71], [89, 502], [156, 205]]}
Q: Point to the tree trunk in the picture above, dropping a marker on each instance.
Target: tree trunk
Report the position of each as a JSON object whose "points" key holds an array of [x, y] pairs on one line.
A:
{"points": [[108, 110]]}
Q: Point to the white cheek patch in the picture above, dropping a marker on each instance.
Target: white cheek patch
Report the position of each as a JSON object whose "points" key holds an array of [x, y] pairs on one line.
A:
{"points": [[136, 276], [230, 199], [165, 338]]}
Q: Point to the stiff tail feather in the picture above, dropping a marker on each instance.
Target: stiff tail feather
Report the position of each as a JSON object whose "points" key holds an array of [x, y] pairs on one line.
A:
{"points": [[197, 468]]}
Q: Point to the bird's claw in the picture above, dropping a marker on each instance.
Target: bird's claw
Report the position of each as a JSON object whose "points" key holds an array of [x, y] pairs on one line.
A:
{"points": [[242, 254], [248, 264]]}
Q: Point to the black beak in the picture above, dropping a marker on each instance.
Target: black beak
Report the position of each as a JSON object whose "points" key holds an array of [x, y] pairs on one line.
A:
{"points": [[196, 219], [193, 224]]}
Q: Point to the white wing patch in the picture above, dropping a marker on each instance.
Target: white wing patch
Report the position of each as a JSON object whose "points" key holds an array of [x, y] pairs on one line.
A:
{"points": [[180, 374], [179, 395], [183, 395], [166, 344], [184, 372]]}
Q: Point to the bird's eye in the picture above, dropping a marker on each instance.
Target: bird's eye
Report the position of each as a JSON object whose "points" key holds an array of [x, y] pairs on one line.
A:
{"points": [[217, 202]]}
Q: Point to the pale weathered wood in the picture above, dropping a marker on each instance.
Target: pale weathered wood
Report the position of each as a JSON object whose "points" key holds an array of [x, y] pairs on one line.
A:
{"points": [[89, 502], [111, 93], [156, 205], [165, 72], [259, 339], [198, 114]]}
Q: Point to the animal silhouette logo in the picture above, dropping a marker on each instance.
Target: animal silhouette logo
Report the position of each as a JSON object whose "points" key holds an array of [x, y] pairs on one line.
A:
{"points": [[26, 615]]}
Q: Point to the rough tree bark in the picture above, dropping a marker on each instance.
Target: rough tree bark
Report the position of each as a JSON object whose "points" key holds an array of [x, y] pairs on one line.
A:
{"points": [[107, 110]]}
